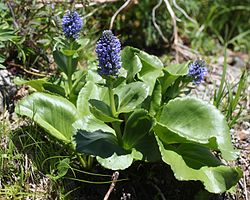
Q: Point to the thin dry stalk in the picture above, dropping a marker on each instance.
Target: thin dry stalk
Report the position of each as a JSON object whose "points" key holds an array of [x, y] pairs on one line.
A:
{"points": [[117, 12], [155, 24], [112, 186]]}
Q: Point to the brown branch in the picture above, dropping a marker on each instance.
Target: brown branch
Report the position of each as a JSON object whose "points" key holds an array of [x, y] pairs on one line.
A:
{"points": [[112, 186], [27, 71], [155, 24], [175, 31], [117, 12], [13, 15]]}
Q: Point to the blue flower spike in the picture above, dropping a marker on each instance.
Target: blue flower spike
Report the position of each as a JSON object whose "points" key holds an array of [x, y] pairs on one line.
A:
{"points": [[108, 49], [198, 71], [71, 24]]}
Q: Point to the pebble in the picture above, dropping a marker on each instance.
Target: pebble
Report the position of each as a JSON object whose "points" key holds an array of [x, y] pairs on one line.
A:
{"points": [[7, 91]]}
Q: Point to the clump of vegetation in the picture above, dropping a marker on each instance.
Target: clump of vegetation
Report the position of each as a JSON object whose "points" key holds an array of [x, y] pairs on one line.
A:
{"points": [[121, 111]]}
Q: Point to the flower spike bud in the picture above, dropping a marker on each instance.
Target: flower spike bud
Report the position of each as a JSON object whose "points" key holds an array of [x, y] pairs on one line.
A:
{"points": [[71, 24], [197, 70], [108, 49]]}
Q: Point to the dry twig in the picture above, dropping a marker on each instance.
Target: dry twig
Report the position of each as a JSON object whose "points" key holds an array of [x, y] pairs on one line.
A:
{"points": [[117, 12], [155, 24], [27, 71], [179, 48], [183, 12], [112, 186], [175, 31]]}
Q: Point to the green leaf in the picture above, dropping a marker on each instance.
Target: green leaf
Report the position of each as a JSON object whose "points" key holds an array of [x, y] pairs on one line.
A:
{"points": [[53, 113], [116, 162], [36, 84], [171, 73], [130, 96], [191, 119], [149, 149], [193, 162], [2, 66], [41, 85], [55, 89], [97, 143], [44, 42], [83, 42], [2, 58], [178, 69], [90, 123], [155, 99], [137, 126], [137, 136], [102, 111], [62, 169], [131, 62], [151, 69], [68, 52], [90, 91], [62, 62]]}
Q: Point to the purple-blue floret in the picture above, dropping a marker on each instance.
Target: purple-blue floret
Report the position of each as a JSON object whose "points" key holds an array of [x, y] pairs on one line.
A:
{"points": [[71, 24], [197, 70], [108, 49]]}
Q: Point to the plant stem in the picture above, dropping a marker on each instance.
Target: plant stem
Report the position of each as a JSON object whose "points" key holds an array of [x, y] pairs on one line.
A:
{"points": [[115, 125], [78, 155], [112, 101], [82, 161], [90, 162], [69, 75]]}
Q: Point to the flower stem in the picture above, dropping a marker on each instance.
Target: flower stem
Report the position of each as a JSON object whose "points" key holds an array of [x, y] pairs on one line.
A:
{"points": [[115, 125], [82, 161], [69, 63], [112, 101]]}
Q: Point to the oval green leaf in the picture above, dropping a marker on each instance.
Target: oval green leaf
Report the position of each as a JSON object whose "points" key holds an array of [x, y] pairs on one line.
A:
{"points": [[116, 162], [137, 126], [130, 96], [193, 162], [196, 121], [53, 113]]}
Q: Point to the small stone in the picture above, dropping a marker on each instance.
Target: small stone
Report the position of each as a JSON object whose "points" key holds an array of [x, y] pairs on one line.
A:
{"points": [[243, 134]]}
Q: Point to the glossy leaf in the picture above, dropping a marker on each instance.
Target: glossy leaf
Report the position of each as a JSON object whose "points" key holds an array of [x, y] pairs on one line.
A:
{"points": [[116, 162], [41, 85], [155, 99], [36, 84], [61, 61], [53, 113], [171, 73], [193, 162], [148, 147], [131, 62], [63, 64], [151, 69], [137, 126], [89, 91], [102, 111], [55, 89], [193, 120], [97, 143], [130, 96], [91, 124]]}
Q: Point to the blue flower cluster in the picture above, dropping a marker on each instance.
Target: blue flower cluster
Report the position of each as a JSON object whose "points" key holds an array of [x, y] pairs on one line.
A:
{"points": [[71, 24], [108, 49], [197, 70]]}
